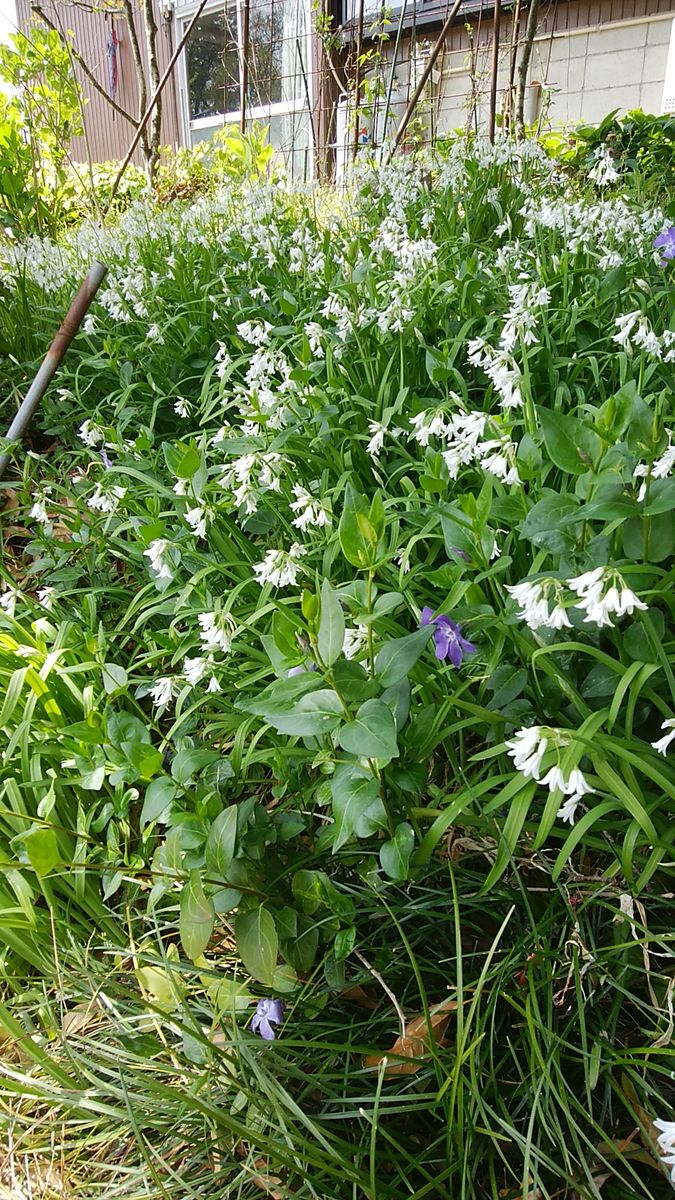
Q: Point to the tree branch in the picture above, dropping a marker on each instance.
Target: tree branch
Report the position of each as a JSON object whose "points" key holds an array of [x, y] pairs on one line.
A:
{"points": [[140, 75], [37, 8]]}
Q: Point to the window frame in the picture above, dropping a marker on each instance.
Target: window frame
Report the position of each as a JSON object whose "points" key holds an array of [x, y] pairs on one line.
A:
{"points": [[182, 14]]}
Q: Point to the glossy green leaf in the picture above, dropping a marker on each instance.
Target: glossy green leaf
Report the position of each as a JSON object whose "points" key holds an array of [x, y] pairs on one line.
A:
{"points": [[197, 916], [331, 635], [372, 733], [257, 943]]}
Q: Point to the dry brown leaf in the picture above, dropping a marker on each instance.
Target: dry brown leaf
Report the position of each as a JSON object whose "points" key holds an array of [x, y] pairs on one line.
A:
{"points": [[269, 1183], [414, 1046], [360, 996]]}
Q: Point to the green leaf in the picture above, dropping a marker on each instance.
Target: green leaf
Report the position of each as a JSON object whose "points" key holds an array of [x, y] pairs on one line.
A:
{"points": [[114, 678], [345, 941], [356, 532], [42, 849], [222, 843], [507, 683], [158, 796], [280, 696], [197, 915], [542, 524], [331, 634], [313, 715], [372, 733], [571, 445], [398, 657], [257, 943], [354, 792], [395, 854], [187, 762]]}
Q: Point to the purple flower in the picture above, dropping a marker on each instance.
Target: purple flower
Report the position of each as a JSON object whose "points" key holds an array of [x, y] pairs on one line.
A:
{"points": [[665, 242], [448, 640], [267, 1014], [105, 460]]}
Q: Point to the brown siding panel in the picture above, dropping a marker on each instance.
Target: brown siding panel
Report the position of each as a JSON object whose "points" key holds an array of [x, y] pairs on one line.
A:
{"points": [[107, 134]]}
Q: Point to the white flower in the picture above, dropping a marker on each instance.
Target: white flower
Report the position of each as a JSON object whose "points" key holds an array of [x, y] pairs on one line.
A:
{"points": [[666, 1143], [106, 499], [661, 468], [554, 780], [162, 691], [47, 596], [161, 560], [182, 407], [598, 604], [355, 641], [378, 430], [256, 333], [569, 809], [199, 519], [427, 425], [154, 334], [603, 171], [280, 567], [213, 685], [223, 360], [310, 510], [663, 743], [39, 509], [527, 748], [91, 434], [576, 784], [217, 630], [194, 669], [534, 604], [8, 600]]}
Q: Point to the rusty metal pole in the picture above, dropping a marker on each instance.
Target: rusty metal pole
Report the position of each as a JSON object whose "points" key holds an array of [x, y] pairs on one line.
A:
{"points": [[54, 356]]}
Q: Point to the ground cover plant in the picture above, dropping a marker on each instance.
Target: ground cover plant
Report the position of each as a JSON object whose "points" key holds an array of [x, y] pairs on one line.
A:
{"points": [[337, 658]]}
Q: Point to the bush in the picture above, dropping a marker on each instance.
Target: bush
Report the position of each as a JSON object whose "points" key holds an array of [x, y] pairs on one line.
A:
{"points": [[340, 636]]}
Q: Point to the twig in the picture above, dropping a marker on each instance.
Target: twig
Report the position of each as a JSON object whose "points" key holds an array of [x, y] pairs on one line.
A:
{"points": [[376, 975], [86, 70], [148, 112], [412, 103]]}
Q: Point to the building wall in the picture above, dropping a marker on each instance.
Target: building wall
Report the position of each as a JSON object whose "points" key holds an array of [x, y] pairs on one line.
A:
{"points": [[107, 135], [592, 56]]}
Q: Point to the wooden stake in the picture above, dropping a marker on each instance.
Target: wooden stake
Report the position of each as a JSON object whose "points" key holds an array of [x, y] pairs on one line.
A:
{"points": [[412, 103], [243, 62], [495, 71]]}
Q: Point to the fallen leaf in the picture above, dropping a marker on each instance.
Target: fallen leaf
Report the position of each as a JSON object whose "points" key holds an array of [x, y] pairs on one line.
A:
{"points": [[414, 1046], [360, 996]]}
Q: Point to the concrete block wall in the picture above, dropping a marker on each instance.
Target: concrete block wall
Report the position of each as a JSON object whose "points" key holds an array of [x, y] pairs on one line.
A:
{"points": [[586, 72]]}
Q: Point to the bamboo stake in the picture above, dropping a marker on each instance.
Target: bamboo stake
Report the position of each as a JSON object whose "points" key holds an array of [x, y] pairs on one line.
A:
{"points": [[412, 103], [148, 112], [495, 71], [53, 358]]}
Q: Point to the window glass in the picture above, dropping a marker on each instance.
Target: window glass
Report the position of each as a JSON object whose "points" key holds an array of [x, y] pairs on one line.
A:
{"points": [[212, 63]]}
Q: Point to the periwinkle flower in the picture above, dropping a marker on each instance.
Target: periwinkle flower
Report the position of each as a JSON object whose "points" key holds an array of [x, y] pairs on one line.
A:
{"points": [[267, 1014], [665, 242], [448, 640]]}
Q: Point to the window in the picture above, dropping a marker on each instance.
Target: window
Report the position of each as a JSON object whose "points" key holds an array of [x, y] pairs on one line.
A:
{"points": [[278, 62]]}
